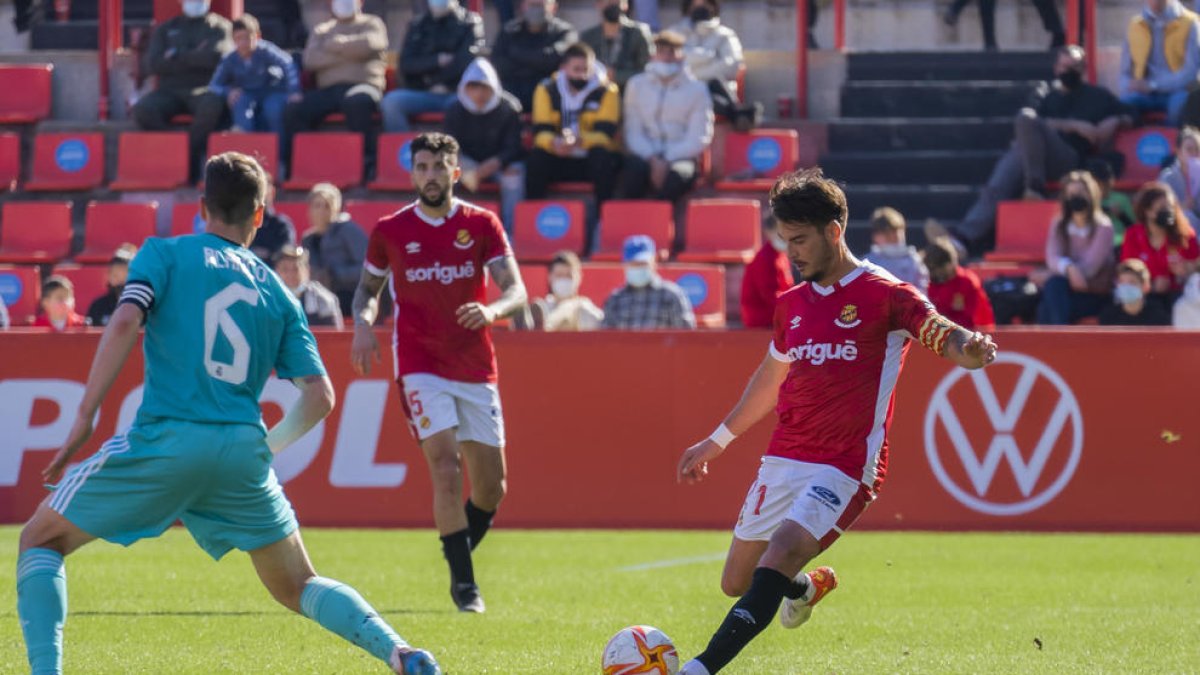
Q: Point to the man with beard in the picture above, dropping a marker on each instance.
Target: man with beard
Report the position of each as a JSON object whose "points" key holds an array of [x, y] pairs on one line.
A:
{"points": [[830, 373], [435, 251]]}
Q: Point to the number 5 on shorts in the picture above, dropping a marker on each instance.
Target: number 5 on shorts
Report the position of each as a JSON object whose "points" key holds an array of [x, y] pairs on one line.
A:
{"points": [[414, 404]]}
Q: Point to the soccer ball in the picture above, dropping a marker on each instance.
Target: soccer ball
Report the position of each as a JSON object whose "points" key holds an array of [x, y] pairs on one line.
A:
{"points": [[640, 649]]}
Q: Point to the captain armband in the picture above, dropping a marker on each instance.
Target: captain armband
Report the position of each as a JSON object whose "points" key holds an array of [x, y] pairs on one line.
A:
{"points": [[935, 332]]}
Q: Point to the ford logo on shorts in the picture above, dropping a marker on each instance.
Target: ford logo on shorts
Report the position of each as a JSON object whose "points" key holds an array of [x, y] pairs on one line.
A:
{"points": [[826, 495]]}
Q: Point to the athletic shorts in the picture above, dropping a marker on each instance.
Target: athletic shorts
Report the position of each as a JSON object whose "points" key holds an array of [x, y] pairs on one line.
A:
{"points": [[216, 478], [434, 404], [820, 498]]}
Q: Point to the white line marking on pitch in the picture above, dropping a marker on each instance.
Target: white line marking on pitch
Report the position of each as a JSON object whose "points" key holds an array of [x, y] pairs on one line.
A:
{"points": [[711, 557]]}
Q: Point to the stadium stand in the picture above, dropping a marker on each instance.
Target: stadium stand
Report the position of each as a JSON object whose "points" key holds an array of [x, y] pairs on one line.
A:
{"points": [[90, 281], [21, 290], [185, 219], [705, 288], [67, 161], [1021, 231], [35, 232], [110, 224], [722, 231], [10, 161], [260, 145], [151, 160], [367, 213], [1144, 149], [624, 218], [25, 92], [298, 212], [545, 227], [393, 163], [753, 160], [326, 157]]}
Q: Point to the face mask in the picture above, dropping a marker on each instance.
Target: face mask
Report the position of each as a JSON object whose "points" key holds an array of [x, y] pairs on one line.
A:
{"points": [[1127, 294], [778, 243], [344, 9], [1164, 219], [535, 15], [1078, 204], [663, 70], [195, 8], [611, 13], [700, 14], [893, 250], [577, 83], [562, 287], [638, 277], [1071, 79], [439, 8]]}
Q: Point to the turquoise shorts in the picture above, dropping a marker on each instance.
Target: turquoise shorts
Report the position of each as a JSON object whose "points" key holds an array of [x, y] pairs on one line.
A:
{"points": [[216, 478]]}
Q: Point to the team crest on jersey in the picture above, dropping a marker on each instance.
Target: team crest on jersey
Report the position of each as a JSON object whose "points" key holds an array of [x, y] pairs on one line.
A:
{"points": [[425, 422], [463, 240], [413, 247], [849, 317]]}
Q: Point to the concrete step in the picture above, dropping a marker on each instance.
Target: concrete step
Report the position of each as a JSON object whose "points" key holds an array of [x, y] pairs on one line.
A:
{"points": [[923, 167], [978, 133], [934, 99], [916, 202], [950, 66]]}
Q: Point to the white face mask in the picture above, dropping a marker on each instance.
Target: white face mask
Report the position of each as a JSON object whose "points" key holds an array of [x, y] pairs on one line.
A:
{"points": [[706, 27], [1127, 294], [663, 70], [195, 8], [344, 9], [638, 277], [562, 287], [895, 250]]}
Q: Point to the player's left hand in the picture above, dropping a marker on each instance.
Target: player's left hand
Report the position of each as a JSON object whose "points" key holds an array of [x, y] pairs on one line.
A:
{"points": [[980, 349], [81, 431], [474, 316], [693, 466]]}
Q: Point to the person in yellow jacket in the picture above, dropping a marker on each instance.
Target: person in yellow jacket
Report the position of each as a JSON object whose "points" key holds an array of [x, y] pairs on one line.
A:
{"points": [[576, 116], [1161, 58]]}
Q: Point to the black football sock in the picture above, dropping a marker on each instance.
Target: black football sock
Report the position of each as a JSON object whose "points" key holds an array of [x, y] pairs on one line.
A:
{"points": [[798, 589], [749, 616], [478, 522], [457, 549]]}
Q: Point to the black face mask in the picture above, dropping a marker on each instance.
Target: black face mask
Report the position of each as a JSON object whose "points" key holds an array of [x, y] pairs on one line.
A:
{"points": [[611, 13], [700, 14], [576, 83], [1071, 79], [1164, 219], [1078, 204]]}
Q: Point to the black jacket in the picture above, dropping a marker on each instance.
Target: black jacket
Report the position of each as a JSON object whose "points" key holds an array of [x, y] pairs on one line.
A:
{"points": [[460, 33], [524, 58], [496, 133]]}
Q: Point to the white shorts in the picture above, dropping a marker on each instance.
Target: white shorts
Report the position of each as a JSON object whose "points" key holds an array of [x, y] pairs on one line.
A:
{"points": [[434, 404], [820, 498]]}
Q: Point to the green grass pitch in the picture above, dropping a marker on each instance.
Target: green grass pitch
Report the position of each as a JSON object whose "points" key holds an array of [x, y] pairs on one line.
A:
{"points": [[908, 602]]}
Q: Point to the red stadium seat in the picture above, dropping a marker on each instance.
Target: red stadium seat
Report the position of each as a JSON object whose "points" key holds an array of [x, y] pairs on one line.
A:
{"points": [[298, 212], [1021, 231], [90, 282], [986, 271], [600, 280], [67, 161], [543, 228], [111, 224], [705, 288], [25, 92], [261, 146], [21, 291], [574, 187], [393, 163], [1144, 150], [536, 283], [10, 161], [722, 230], [368, 213], [151, 160], [620, 219], [753, 160], [185, 219], [326, 157], [35, 232]]}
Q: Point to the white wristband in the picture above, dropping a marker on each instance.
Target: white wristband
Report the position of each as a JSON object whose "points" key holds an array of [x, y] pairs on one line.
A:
{"points": [[722, 436]]}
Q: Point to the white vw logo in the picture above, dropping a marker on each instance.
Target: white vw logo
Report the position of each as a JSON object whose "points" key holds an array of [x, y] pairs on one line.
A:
{"points": [[1003, 446]]}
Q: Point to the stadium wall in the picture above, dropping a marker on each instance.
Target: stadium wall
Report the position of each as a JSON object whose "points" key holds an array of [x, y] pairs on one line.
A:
{"points": [[1069, 431]]}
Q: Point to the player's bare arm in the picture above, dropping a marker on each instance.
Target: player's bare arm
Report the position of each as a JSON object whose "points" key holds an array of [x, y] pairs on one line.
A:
{"points": [[316, 402], [758, 400], [119, 338], [513, 297], [969, 349], [365, 308]]}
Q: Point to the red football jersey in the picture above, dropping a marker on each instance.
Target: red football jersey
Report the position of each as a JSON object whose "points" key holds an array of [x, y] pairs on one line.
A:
{"points": [[438, 265], [963, 300], [846, 344]]}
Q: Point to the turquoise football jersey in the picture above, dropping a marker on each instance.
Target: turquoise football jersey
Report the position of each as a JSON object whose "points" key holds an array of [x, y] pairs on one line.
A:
{"points": [[218, 321]]}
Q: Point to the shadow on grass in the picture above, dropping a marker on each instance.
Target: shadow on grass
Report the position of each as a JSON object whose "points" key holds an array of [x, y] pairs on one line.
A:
{"points": [[200, 613]]}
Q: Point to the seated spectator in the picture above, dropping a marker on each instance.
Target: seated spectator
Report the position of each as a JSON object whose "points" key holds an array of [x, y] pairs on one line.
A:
{"points": [[1186, 313], [320, 306], [1072, 119], [1079, 255], [347, 56], [58, 305], [1130, 306], [486, 121], [531, 47], [101, 309], [336, 245], [767, 276], [956, 291], [891, 251], [668, 125], [646, 301], [257, 79], [620, 43], [183, 53], [713, 54], [564, 309], [1163, 239], [1160, 58], [576, 114], [1116, 204], [276, 232], [1183, 175], [438, 47]]}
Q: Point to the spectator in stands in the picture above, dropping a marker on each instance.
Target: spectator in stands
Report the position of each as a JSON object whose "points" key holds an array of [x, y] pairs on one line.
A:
{"points": [[1116, 204], [713, 54], [767, 276], [531, 47], [183, 53], [1183, 175], [1072, 119], [646, 301], [564, 309], [1079, 255], [320, 305], [620, 43], [336, 245], [58, 305], [276, 232], [486, 121], [1186, 313], [346, 55], [1161, 58], [890, 250], [668, 125], [1163, 239], [956, 291], [1047, 10], [576, 114], [1130, 305], [101, 309], [257, 79], [438, 47]]}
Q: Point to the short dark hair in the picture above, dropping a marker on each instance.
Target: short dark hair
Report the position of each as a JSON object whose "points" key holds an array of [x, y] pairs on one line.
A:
{"points": [[235, 187], [569, 259], [578, 50], [56, 282], [435, 142], [248, 23], [687, 6], [940, 252], [807, 197]]}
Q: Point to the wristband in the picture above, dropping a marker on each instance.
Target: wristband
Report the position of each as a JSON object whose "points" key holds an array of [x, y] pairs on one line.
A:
{"points": [[722, 436]]}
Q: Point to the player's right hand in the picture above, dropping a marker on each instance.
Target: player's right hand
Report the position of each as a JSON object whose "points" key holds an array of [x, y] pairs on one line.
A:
{"points": [[693, 466], [81, 431], [364, 350]]}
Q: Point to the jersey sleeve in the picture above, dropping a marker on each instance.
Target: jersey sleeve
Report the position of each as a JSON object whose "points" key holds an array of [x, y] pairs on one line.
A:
{"points": [[911, 312], [298, 355], [377, 260], [496, 246], [778, 348], [149, 276]]}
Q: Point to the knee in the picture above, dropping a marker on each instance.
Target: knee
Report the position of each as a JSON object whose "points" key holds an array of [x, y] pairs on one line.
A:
{"points": [[1026, 117], [147, 116], [289, 593], [489, 495], [734, 587], [447, 474]]}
